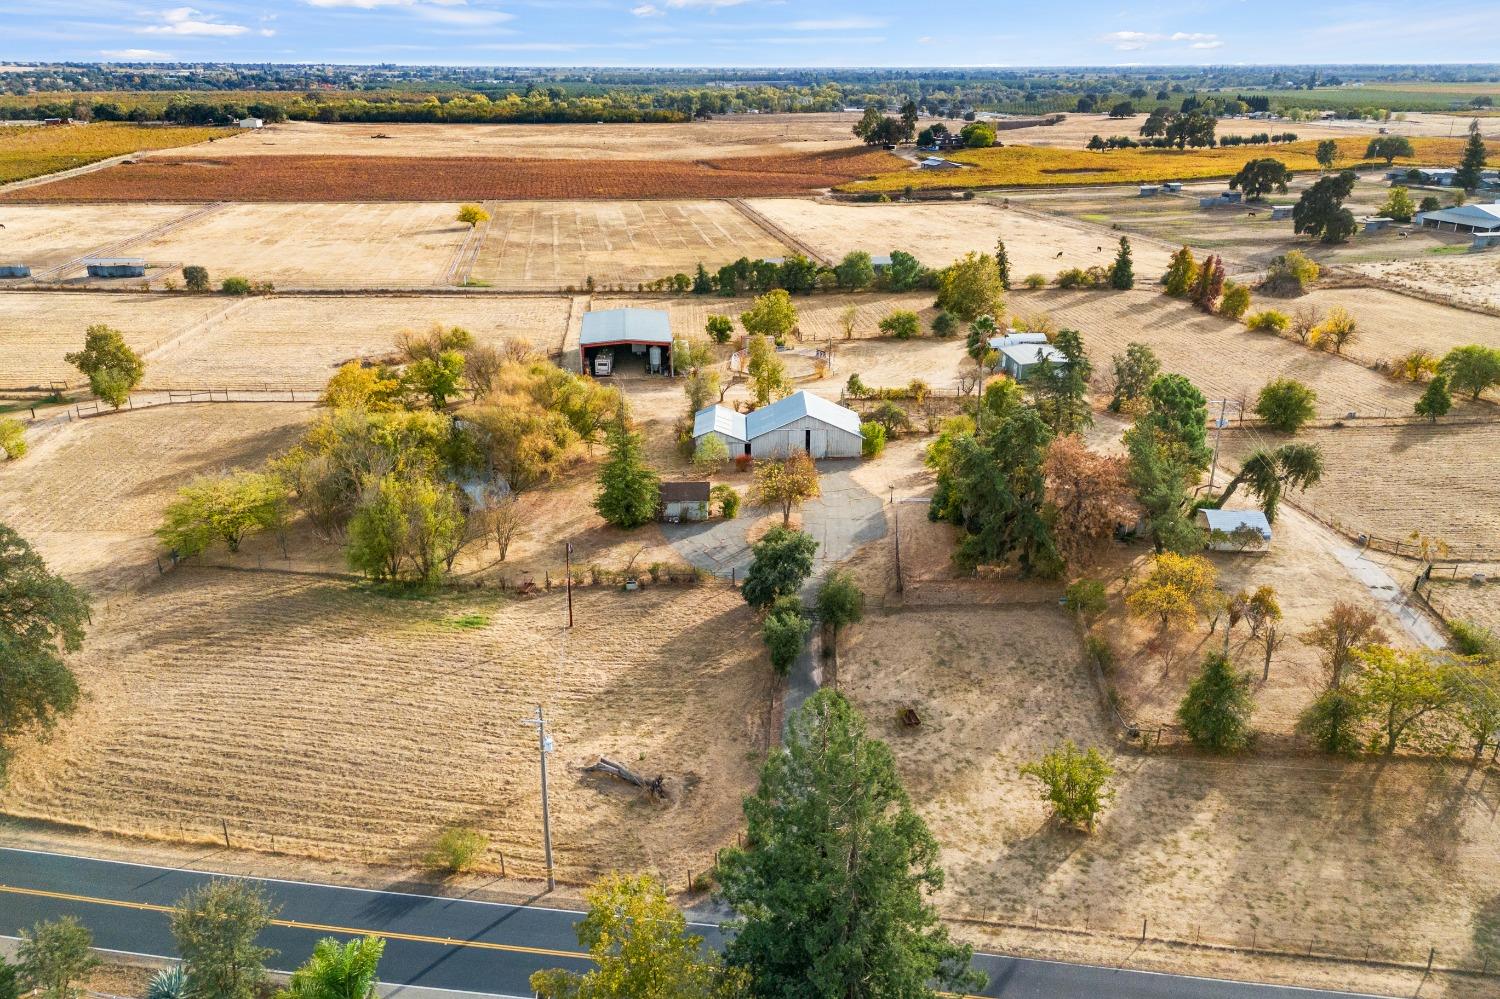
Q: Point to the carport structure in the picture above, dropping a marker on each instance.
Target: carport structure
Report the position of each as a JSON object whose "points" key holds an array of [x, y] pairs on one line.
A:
{"points": [[646, 332]]}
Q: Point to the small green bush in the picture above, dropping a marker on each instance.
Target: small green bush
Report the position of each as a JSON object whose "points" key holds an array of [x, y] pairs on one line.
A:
{"points": [[727, 498], [901, 324], [168, 983], [1470, 639], [1034, 281], [235, 286], [12, 438], [457, 848], [1269, 321], [1235, 301], [873, 443], [1085, 597]]}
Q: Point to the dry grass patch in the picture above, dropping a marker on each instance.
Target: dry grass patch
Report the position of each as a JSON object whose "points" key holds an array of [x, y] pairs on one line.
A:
{"points": [[553, 244], [46, 236], [937, 235], [38, 328], [351, 725], [299, 342], [90, 494], [1469, 279], [1391, 481]]}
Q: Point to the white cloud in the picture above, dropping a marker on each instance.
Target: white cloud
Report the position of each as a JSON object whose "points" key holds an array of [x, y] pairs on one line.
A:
{"points": [[1207, 45], [1133, 41], [137, 55], [1192, 36], [1129, 41], [191, 21], [710, 4], [647, 10], [838, 24], [467, 17]]}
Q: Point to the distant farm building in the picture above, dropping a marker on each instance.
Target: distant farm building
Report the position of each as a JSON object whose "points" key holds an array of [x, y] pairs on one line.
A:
{"points": [[1485, 240], [1020, 360], [1375, 223], [1464, 218], [14, 271], [938, 163], [684, 501], [1172, 187], [1279, 212], [250, 123], [1150, 190], [611, 337], [1235, 530], [800, 422], [115, 267]]}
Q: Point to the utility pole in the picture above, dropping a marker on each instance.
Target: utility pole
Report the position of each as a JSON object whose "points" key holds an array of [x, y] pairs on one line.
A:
{"points": [[568, 559], [1213, 466], [544, 746]]}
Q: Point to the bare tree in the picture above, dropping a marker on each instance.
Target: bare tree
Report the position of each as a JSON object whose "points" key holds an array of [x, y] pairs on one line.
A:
{"points": [[1346, 628]]}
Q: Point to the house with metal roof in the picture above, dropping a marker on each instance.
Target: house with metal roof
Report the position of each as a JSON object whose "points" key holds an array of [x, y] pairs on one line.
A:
{"points": [[1235, 530], [938, 163], [1016, 338], [800, 422], [1020, 360], [612, 338], [1464, 218]]}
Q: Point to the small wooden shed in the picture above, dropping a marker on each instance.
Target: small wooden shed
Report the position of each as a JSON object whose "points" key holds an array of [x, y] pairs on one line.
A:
{"points": [[684, 501]]}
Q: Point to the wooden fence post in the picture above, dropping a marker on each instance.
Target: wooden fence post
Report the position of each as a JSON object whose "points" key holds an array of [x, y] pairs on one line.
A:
{"points": [[225, 824]]}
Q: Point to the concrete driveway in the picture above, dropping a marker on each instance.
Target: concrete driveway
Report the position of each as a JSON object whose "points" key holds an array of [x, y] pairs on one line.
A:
{"points": [[846, 517]]}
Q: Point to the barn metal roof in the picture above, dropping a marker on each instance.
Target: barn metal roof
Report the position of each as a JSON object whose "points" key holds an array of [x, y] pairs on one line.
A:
{"points": [[626, 326], [721, 418], [793, 408], [1027, 354], [684, 492], [1230, 521], [114, 262], [1015, 339], [1476, 215]]}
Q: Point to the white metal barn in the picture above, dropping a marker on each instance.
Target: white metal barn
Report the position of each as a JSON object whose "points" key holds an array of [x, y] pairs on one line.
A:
{"points": [[1235, 530], [800, 422]]}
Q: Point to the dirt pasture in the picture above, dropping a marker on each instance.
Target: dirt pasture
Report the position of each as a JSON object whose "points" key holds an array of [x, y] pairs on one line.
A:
{"points": [[1468, 278], [48, 236], [90, 493], [298, 342], [1075, 130], [729, 135], [457, 178], [322, 720], [1252, 853], [38, 328], [312, 245], [1390, 481], [556, 244], [939, 234], [1223, 358]]}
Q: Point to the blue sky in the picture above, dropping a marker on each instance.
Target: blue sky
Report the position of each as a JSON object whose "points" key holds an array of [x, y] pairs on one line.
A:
{"points": [[752, 32]]}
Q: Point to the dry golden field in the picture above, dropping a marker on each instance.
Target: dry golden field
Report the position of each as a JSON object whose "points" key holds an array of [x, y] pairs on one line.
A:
{"points": [[1465, 600], [298, 342], [354, 726], [38, 328], [1391, 481], [1471, 279], [1223, 358], [735, 135], [91, 492], [314, 245], [556, 244], [1276, 854], [1392, 324], [48, 236], [1074, 131], [939, 234]]}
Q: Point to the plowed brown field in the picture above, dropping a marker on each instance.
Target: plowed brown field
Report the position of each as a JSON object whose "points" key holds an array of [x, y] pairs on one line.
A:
{"points": [[387, 178]]}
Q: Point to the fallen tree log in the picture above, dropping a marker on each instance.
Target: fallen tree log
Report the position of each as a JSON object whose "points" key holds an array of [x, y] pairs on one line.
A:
{"points": [[657, 786]]}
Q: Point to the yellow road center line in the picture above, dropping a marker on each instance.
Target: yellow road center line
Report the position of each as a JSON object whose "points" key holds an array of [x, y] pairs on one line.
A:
{"points": [[296, 925]]}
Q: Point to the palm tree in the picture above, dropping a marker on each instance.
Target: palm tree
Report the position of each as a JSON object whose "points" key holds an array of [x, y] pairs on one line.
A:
{"points": [[1268, 473]]}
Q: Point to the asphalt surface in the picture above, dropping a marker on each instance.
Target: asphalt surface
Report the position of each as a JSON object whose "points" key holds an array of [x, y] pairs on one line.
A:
{"points": [[457, 944]]}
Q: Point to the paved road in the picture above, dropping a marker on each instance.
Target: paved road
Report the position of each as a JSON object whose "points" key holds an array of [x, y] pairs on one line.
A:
{"points": [[444, 943]]}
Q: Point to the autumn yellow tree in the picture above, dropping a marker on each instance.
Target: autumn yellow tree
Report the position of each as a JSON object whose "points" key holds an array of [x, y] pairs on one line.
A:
{"points": [[1175, 592], [785, 482], [472, 215]]}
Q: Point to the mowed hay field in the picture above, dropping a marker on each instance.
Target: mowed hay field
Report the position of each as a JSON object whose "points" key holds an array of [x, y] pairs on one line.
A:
{"points": [[458, 178], [299, 342], [1222, 358], [1470, 279], [1276, 855], [90, 493], [319, 719], [47, 236], [731, 135], [937, 235], [556, 244], [315, 245], [1391, 324], [1390, 481], [38, 328]]}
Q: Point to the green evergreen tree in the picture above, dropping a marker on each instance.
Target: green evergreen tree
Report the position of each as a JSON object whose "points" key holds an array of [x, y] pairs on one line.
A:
{"points": [[1181, 273], [1216, 710], [1471, 166], [1002, 263], [780, 563], [1122, 274], [702, 283], [629, 491], [832, 888], [1435, 401], [1060, 388]]}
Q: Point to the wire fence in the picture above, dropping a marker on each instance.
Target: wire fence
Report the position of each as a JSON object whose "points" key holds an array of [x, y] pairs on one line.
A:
{"points": [[179, 397]]}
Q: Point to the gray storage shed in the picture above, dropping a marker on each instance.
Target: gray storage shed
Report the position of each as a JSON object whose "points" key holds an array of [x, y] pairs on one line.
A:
{"points": [[14, 271], [1019, 360], [619, 333], [684, 501]]}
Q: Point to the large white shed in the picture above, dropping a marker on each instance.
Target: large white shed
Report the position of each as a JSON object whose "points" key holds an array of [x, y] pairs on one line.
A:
{"points": [[800, 422]]}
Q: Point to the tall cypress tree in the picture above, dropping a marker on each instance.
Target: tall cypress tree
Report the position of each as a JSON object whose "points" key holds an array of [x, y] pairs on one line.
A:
{"points": [[832, 887], [1122, 274], [1472, 165], [1002, 261]]}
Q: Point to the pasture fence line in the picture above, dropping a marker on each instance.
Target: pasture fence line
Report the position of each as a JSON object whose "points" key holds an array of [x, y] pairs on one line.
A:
{"points": [[1451, 555], [154, 399]]}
